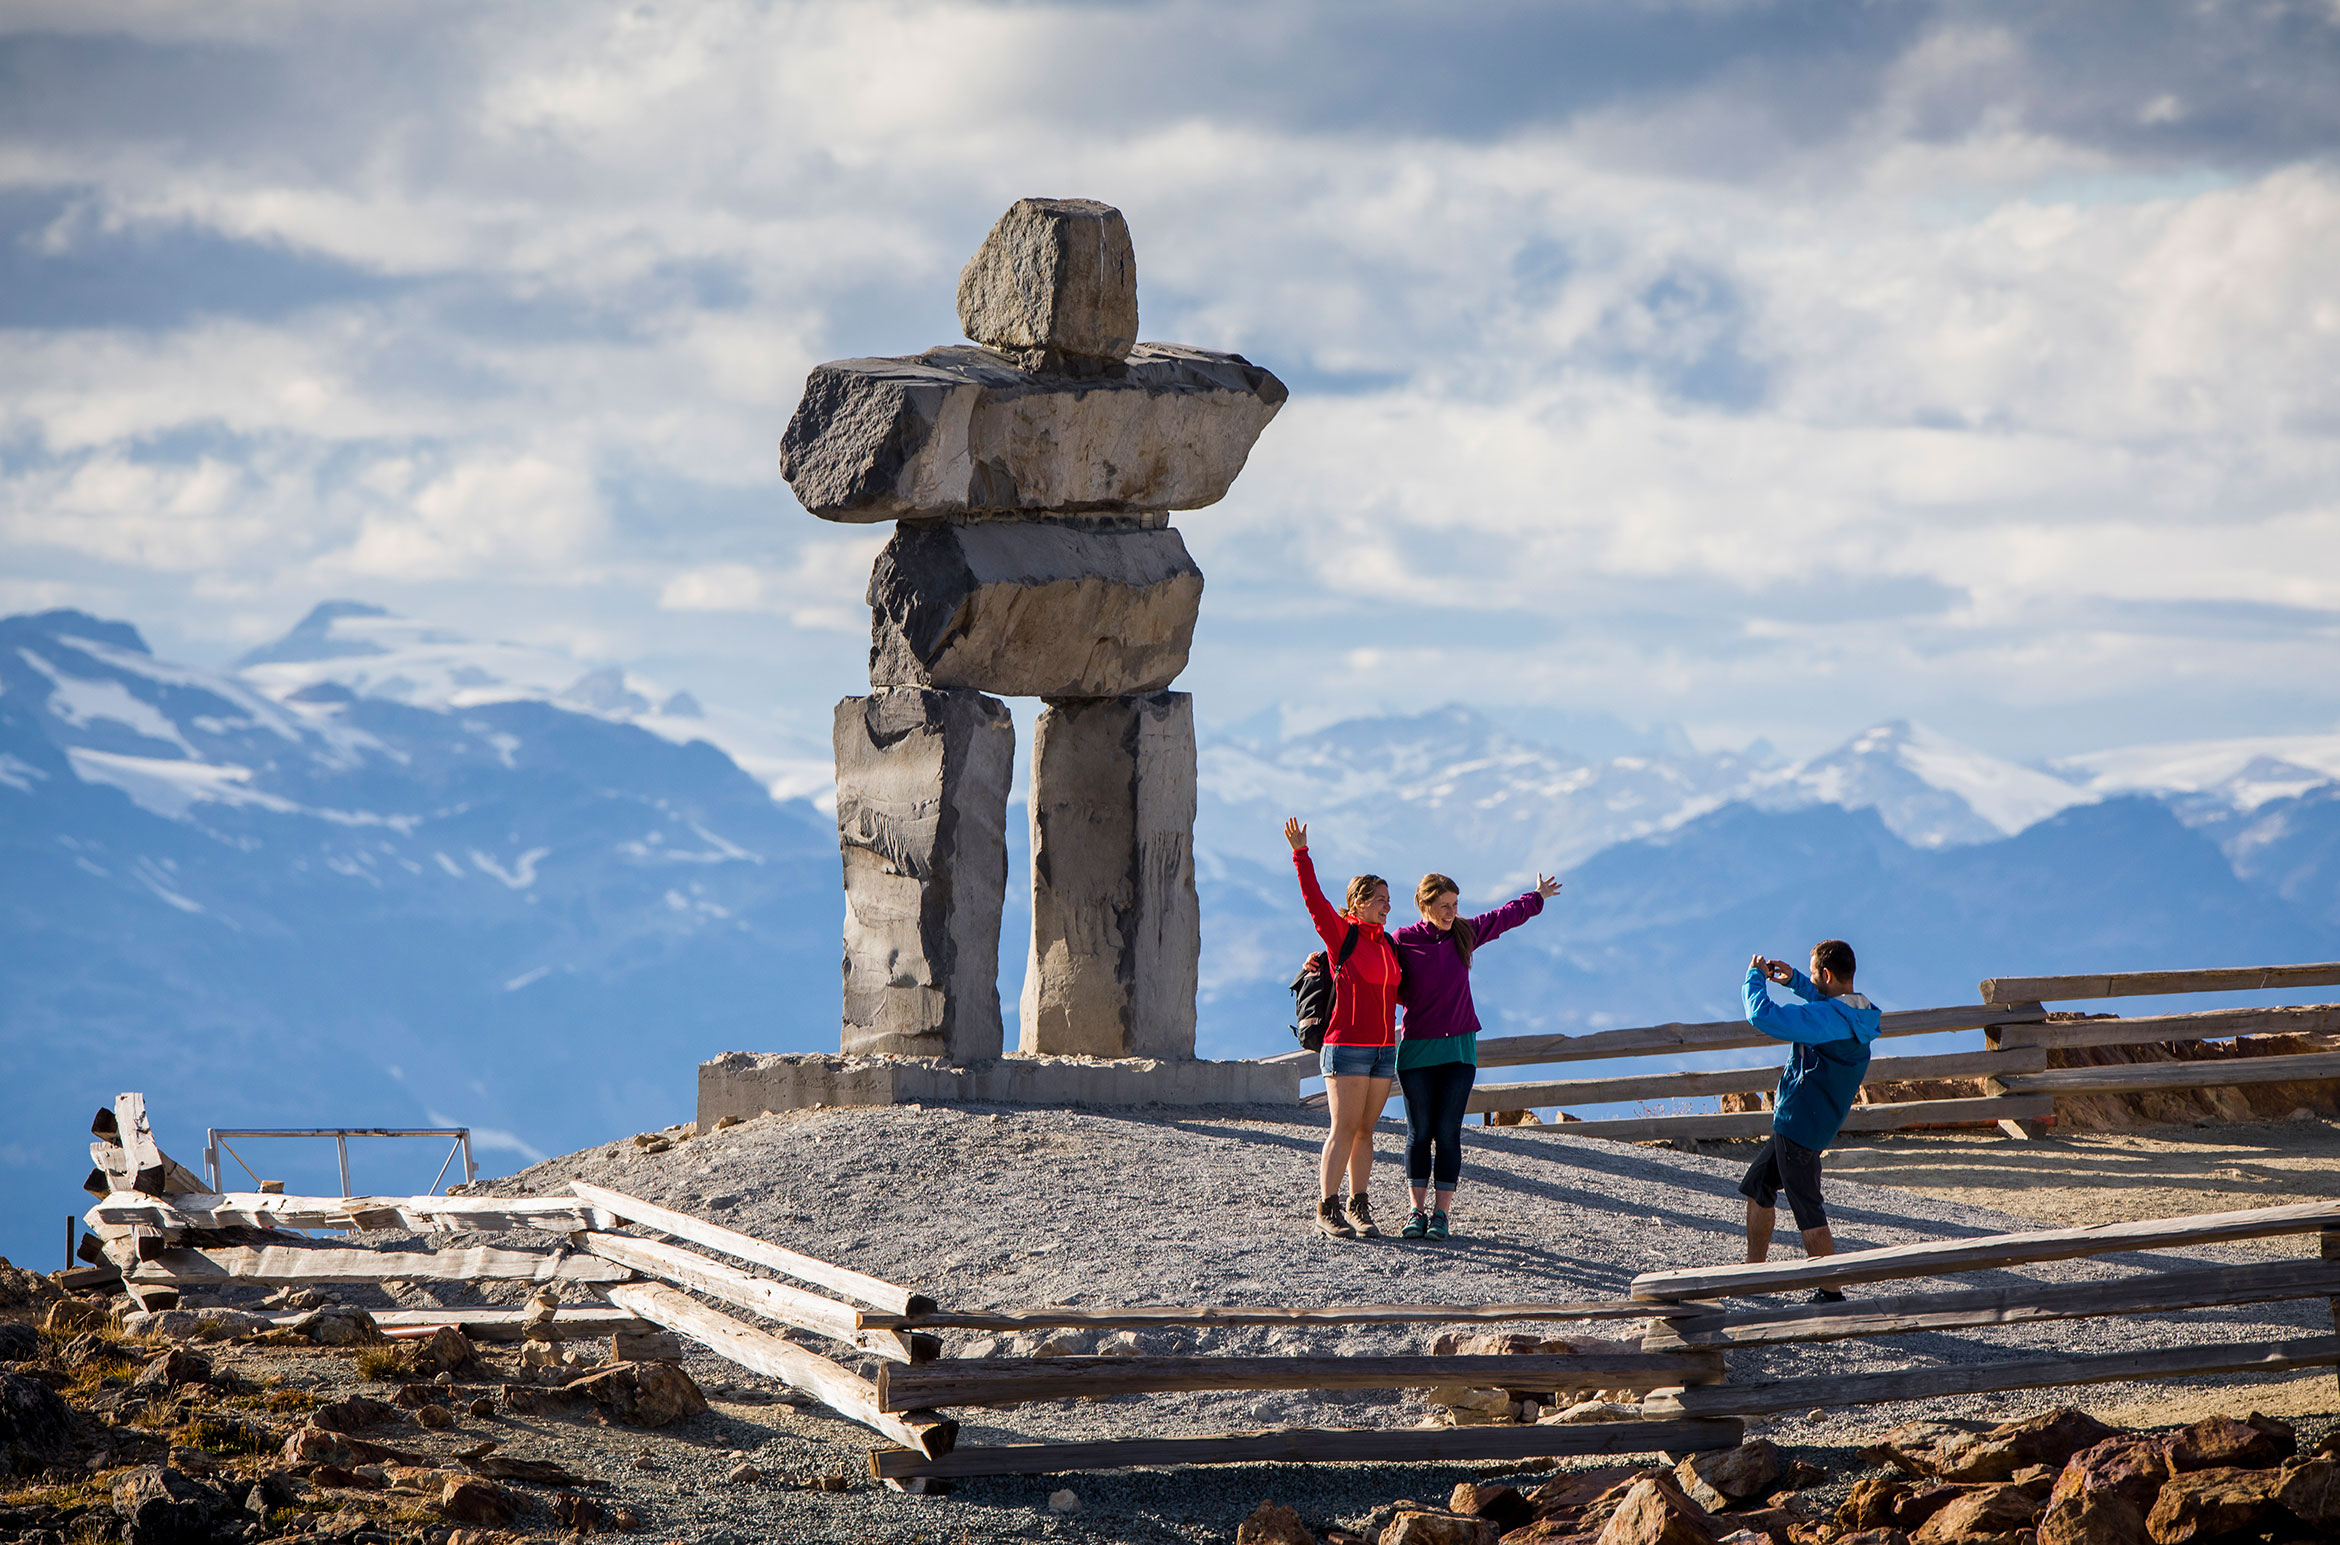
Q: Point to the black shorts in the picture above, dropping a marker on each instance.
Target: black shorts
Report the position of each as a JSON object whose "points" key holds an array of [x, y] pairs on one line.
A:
{"points": [[1789, 1167]]}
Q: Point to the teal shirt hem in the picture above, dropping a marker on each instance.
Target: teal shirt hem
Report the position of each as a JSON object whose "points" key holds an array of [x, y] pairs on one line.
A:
{"points": [[1438, 1051]]}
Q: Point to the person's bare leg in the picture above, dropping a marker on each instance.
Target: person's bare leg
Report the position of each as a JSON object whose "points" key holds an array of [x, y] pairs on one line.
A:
{"points": [[1344, 1097], [1361, 1146], [1446, 1201], [1759, 1222], [1818, 1242]]}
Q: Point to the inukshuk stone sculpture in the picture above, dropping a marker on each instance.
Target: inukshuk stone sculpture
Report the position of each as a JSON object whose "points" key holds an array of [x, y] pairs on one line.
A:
{"points": [[1031, 477]]}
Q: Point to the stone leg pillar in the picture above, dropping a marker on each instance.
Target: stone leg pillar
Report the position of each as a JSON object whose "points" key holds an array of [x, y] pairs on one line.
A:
{"points": [[1116, 927], [922, 785]]}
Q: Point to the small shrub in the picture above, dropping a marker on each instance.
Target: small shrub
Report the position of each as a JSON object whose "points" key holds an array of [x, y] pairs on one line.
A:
{"points": [[381, 1363], [288, 1400], [227, 1439]]}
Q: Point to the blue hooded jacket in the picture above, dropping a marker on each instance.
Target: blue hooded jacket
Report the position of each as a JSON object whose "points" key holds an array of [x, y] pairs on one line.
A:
{"points": [[1823, 1076]]}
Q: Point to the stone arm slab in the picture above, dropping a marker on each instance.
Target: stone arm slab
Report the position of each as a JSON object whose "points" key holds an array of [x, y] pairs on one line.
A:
{"points": [[962, 431]]}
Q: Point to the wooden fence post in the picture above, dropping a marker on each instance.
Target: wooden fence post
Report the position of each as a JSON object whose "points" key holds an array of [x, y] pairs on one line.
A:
{"points": [[2329, 1242], [2022, 1128]]}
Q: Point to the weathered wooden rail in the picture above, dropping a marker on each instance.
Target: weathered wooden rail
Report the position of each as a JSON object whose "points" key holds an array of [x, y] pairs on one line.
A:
{"points": [[659, 1267], [2144, 1293], [2018, 1088]]}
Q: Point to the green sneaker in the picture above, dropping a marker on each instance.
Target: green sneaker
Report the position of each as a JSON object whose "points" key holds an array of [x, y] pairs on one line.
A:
{"points": [[1437, 1228], [1417, 1225]]}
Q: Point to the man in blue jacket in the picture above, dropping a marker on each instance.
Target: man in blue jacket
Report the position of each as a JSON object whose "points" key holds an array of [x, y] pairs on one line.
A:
{"points": [[1830, 1032]]}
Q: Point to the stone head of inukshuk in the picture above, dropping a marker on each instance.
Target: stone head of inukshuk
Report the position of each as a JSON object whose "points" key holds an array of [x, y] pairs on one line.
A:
{"points": [[1031, 477]]}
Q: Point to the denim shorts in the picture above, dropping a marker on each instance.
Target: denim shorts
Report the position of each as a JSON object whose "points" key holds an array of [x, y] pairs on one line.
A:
{"points": [[1358, 1061]]}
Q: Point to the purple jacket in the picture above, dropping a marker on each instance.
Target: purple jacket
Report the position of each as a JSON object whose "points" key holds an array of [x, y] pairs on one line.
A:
{"points": [[1437, 987]]}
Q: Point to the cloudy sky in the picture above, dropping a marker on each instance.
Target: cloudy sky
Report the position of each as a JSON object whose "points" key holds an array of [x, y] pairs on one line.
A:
{"points": [[1765, 368]]}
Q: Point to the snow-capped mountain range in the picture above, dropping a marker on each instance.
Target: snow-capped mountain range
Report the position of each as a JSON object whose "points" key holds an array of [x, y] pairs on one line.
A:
{"points": [[1502, 807], [1505, 804], [379, 873], [376, 654]]}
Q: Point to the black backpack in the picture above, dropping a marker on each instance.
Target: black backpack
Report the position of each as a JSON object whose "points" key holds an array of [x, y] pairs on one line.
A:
{"points": [[1312, 993]]}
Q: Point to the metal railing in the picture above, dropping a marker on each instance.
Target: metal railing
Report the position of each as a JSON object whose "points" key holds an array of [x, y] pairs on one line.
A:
{"points": [[215, 1143]]}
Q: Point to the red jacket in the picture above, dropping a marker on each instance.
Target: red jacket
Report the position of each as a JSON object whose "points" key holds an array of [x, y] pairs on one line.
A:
{"points": [[1365, 990]]}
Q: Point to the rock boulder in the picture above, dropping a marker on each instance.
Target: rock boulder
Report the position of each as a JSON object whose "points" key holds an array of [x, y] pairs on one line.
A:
{"points": [[1116, 923], [1726, 1478], [1031, 608], [1980, 1515], [1502, 1506], [2221, 1442], [1655, 1512], [35, 1423], [922, 786], [160, 1506], [1054, 283], [1272, 1523], [2049, 1438], [1435, 1526], [643, 1394], [2207, 1504]]}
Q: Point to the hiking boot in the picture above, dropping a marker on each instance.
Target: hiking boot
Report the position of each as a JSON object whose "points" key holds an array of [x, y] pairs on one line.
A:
{"points": [[1437, 1228], [1361, 1218], [1827, 1296], [1329, 1219], [1417, 1225]]}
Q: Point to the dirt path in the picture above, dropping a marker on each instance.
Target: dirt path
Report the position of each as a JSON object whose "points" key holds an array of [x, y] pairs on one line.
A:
{"points": [[2106, 1177]]}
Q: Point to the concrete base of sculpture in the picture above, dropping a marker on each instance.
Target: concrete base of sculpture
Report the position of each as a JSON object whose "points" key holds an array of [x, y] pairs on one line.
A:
{"points": [[748, 1084]]}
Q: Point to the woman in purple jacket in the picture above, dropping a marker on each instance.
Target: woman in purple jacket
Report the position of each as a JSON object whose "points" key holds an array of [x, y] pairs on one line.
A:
{"points": [[1438, 1047]]}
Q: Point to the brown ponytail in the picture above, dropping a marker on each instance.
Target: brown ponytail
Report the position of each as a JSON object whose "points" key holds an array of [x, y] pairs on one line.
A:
{"points": [[1434, 886]]}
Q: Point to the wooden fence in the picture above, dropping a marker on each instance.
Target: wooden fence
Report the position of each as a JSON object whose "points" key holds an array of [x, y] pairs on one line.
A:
{"points": [[2152, 1291], [2019, 1088], [163, 1232], [694, 1277]]}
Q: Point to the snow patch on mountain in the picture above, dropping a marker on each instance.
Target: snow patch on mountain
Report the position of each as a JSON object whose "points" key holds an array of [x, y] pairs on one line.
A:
{"points": [[2245, 772], [1930, 791], [375, 653], [171, 786], [82, 701]]}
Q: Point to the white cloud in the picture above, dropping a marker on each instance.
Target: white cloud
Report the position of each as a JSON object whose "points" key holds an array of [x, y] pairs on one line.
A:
{"points": [[1797, 366], [524, 511]]}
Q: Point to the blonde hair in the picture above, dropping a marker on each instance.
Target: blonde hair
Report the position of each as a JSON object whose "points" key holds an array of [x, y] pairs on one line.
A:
{"points": [[1434, 886], [1361, 890]]}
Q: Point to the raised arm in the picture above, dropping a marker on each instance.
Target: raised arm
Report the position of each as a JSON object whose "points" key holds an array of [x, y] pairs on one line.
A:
{"points": [[1500, 921], [1331, 927], [1808, 1023]]}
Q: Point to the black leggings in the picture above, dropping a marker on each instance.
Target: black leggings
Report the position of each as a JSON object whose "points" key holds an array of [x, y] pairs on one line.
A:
{"points": [[1435, 1097]]}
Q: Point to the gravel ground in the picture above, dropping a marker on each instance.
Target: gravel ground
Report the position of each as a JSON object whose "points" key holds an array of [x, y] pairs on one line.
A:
{"points": [[988, 1208], [2107, 1177]]}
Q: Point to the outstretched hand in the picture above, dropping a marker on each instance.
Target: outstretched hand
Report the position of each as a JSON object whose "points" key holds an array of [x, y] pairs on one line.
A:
{"points": [[1547, 887], [1295, 833]]}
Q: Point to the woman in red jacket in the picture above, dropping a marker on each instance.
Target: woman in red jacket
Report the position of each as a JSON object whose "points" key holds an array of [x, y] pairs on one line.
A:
{"points": [[1360, 1044]]}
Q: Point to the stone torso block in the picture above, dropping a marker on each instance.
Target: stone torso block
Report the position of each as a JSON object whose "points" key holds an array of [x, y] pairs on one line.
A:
{"points": [[1116, 926], [922, 785], [960, 431], [1032, 608]]}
